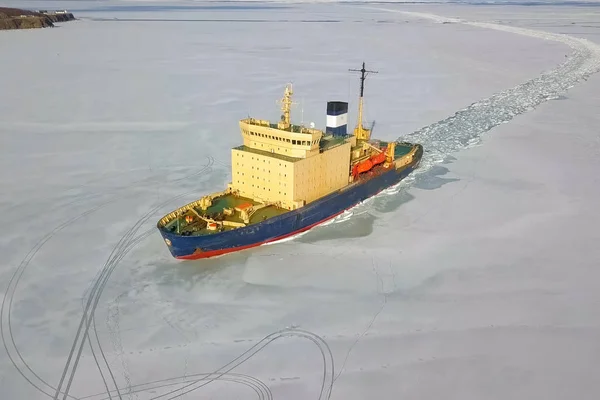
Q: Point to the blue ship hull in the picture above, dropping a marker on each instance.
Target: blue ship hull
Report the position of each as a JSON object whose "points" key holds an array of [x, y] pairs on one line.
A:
{"points": [[285, 225]]}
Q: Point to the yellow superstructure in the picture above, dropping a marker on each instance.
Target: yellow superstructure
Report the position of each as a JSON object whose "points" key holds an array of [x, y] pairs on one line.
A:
{"points": [[289, 165]]}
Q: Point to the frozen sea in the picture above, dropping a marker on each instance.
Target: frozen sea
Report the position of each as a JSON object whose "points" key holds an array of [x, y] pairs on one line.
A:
{"points": [[476, 278]]}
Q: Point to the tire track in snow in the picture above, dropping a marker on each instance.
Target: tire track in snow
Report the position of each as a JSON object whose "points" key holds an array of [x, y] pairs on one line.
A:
{"points": [[260, 388], [127, 242], [465, 128], [6, 329], [326, 354], [195, 381]]}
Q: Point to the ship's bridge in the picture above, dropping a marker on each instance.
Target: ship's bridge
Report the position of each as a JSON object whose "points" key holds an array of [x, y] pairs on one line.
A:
{"points": [[280, 138]]}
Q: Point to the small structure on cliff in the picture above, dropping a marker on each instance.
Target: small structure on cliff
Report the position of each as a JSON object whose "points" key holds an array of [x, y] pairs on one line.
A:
{"points": [[15, 18]]}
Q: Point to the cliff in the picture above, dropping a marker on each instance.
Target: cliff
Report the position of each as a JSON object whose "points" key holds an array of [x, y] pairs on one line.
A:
{"points": [[14, 18]]}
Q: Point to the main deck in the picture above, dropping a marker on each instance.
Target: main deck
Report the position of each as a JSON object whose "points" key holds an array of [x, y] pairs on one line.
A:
{"points": [[227, 212]]}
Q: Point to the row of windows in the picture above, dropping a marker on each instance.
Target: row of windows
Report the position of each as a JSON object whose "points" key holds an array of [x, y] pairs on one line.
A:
{"points": [[273, 137], [272, 150], [258, 159], [284, 165], [258, 187], [284, 175], [264, 180]]}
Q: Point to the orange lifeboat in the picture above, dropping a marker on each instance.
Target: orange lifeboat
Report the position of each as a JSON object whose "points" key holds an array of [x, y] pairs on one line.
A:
{"points": [[362, 166], [369, 163], [378, 158]]}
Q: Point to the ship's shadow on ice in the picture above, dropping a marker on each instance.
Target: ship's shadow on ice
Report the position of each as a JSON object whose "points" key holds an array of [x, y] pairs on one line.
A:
{"points": [[354, 227], [433, 179], [363, 218], [430, 180], [186, 276]]}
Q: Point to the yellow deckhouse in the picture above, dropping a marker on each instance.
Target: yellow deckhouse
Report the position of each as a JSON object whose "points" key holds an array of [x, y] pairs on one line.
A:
{"points": [[288, 165]]}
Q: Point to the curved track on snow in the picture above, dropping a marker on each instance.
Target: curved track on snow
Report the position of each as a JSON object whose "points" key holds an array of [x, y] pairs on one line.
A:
{"points": [[6, 331], [196, 381], [466, 127], [261, 390]]}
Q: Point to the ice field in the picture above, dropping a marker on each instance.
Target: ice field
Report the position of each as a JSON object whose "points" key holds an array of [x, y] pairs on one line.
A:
{"points": [[475, 278]]}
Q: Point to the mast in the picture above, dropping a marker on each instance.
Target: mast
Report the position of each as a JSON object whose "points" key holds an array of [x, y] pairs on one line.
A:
{"points": [[286, 105], [361, 132]]}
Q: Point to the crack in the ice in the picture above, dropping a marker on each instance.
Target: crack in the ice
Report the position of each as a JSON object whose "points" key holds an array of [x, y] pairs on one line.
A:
{"points": [[368, 328]]}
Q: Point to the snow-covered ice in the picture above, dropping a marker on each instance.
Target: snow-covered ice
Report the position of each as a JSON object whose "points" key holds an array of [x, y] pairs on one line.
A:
{"points": [[475, 278]]}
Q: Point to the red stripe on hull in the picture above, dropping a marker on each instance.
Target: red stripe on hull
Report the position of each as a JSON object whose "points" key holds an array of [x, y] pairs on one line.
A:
{"points": [[214, 253]]}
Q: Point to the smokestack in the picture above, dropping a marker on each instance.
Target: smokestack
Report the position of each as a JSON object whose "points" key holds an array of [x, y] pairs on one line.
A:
{"points": [[337, 118]]}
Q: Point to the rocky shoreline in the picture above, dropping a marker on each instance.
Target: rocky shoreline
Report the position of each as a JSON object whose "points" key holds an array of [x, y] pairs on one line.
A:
{"points": [[15, 18]]}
